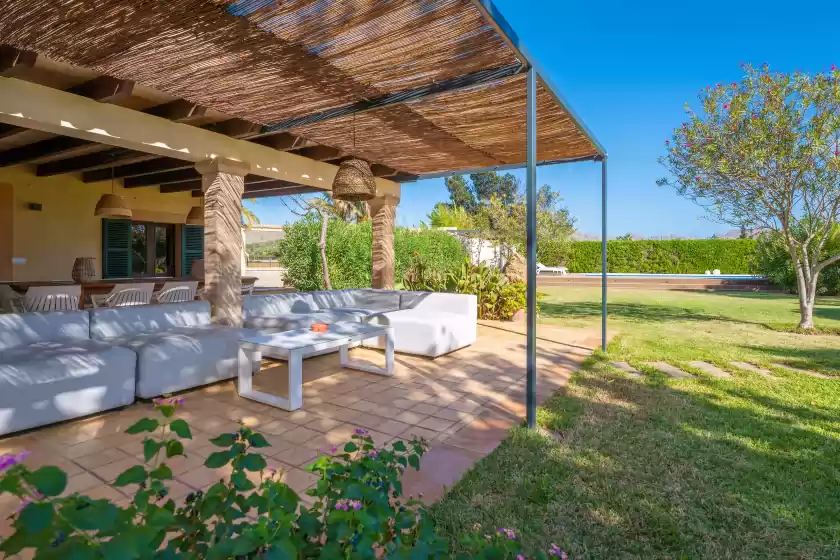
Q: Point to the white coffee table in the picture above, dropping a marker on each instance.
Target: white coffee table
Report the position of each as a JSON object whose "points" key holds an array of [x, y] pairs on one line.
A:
{"points": [[293, 346]]}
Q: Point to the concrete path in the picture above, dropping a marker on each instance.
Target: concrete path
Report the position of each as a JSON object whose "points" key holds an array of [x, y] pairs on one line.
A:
{"points": [[669, 370], [626, 368], [709, 369], [802, 371], [753, 368]]}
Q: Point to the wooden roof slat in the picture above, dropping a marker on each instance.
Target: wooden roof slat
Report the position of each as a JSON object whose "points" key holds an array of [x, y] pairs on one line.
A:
{"points": [[280, 192], [135, 169], [318, 153], [15, 62], [195, 184]]}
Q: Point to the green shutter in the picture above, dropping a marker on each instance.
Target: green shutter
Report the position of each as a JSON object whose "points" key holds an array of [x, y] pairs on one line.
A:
{"points": [[116, 248], [192, 247]]}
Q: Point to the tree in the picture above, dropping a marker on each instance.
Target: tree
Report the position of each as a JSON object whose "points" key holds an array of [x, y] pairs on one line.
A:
{"points": [[249, 219], [625, 237], [461, 194], [445, 215], [347, 211], [481, 189], [764, 154]]}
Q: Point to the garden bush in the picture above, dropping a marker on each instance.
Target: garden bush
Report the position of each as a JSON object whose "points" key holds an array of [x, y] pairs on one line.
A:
{"points": [[773, 261], [497, 298], [678, 256], [349, 253], [357, 511]]}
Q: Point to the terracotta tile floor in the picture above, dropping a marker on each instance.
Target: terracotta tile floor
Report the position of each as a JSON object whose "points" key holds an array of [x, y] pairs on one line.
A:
{"points": [[463, 403]]}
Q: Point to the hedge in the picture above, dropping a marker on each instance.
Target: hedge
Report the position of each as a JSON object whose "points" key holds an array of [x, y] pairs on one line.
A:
{"points": [[349, 253], [678, 256]]}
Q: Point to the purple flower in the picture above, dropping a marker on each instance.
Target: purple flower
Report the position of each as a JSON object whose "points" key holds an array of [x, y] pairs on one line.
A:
{"points": [[508, 533], [372, 453], [554, 550], [520, 557], [346, 505], [334, 450], [26, 501], [360, 431], [8, 460]]}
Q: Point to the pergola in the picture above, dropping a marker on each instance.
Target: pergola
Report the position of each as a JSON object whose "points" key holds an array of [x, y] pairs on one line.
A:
{"points": [[250, 98]]}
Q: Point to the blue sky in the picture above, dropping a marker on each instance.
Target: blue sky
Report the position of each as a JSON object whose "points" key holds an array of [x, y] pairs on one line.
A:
{"points": [[628, 68]]}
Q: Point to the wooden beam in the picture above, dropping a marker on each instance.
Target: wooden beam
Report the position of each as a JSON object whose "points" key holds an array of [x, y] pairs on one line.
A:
{"points": [[165, 177], [281, 192], [282, 141], [180, 110], [43, 149], [318, 153], [379, 170], [135, 169], [15, 62], [401, 177], [183, 186], [57, 112], [236, 128]]}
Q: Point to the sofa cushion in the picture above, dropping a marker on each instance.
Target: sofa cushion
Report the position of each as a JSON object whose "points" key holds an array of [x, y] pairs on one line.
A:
{"points": [[292, 321], [431, 302], [332, 299], [425, 333], [368, 298], [109, 323], [277, 304], [18, 329], [183, 357], [46, 382]]}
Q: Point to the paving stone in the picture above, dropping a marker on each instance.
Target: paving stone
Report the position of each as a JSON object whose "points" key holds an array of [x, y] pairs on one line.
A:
{"points": [[709, 369], [669, 370], [802, 371], [753, 368], [626, 368]]}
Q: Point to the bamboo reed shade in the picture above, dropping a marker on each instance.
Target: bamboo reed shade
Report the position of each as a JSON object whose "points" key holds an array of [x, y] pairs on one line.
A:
{"points": [[268, 61]]}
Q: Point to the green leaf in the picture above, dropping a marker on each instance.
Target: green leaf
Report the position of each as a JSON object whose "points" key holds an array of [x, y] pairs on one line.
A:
{"points": [[257, 440], [49, 481], [134, 475], [224, 440], [151, 448], [174, 448], [167, 410], [37, 516], [218, 459], [281, 550], [144, 425], [181, 428], [163, 472], [414, 461], [399, 446], [240, 481], [253, 462], [350, 447]]}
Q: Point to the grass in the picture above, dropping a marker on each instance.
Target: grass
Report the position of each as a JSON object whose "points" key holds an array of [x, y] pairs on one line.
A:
{"points": [[746, 467]]}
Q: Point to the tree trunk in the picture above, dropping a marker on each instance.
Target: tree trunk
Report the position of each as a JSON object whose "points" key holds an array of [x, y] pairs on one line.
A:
{"points": [[807, 297], [323, 246]]}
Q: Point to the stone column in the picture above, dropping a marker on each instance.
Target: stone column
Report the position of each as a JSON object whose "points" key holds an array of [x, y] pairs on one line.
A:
{"points": [[223, 182], [383, 212]]}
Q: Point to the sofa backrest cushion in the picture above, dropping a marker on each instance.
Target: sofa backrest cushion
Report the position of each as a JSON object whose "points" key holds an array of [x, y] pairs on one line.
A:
{"points": [[273, 305], [333, 299], [108, 323], [17, 329], [369, 298], [462, 304]]}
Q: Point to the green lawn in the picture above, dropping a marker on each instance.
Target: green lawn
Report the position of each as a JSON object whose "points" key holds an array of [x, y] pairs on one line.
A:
{"points": [[746, 467]]}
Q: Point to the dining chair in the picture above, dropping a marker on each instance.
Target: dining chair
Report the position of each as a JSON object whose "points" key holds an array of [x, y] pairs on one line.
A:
{"points": [[126, 295], [52, 298], [176, 292]]}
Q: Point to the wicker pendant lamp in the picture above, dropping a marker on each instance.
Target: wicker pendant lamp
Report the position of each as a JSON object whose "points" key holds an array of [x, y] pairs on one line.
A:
{"points": [[112, 205], [196, 214], [354, 180]]}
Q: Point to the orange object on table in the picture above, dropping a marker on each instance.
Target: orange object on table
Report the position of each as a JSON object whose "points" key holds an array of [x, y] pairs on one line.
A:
{"points": [[320, 327]]}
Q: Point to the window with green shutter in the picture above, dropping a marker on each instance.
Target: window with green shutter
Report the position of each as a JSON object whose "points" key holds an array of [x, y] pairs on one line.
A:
{"points": [[192, 247], [116, 248]]}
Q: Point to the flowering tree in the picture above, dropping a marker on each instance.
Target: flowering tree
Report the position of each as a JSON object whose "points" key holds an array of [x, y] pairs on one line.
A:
{"points": [[765, 154]]}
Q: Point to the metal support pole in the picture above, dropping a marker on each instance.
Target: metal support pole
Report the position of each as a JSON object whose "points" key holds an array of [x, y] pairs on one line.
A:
{"points": [[604, 254], [531, 243]]}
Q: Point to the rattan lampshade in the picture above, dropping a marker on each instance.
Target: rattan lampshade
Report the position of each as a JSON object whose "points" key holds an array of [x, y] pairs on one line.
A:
{"points": [[112, 206], [354, 181], [196, 216]]}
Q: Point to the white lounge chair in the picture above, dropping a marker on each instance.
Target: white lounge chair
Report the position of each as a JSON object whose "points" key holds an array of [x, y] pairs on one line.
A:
{"points": [[125, 295], [10, 300], [561, 270], [176, 292], [52, 298]]}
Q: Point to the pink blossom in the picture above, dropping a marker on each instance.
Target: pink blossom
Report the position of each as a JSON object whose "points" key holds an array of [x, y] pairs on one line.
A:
{"points": [[726, 106]]}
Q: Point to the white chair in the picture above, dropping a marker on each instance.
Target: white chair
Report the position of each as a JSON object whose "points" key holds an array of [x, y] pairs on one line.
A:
{"points": [[176, 292], [52, 298], [248, 289], [125, 295], [561, 270]]}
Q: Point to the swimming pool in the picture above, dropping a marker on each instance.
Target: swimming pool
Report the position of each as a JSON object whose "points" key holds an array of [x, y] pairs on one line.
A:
{"points": [[678, 276]]}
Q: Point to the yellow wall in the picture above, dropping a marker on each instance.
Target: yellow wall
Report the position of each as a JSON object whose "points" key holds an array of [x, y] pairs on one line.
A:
{"points": [[66, 228]]}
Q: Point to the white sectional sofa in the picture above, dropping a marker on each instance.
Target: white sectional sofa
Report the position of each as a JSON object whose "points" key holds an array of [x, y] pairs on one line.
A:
{"points": [[51, 370], [425, 323]]}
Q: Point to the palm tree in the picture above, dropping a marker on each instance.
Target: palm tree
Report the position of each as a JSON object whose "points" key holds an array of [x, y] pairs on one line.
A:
{"points": [[249, 219]]}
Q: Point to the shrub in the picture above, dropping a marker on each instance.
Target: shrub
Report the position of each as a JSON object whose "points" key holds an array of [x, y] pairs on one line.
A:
{"points": [[349, 252], [678, 256], [773, 261], [497, 298], [358, 510]]}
